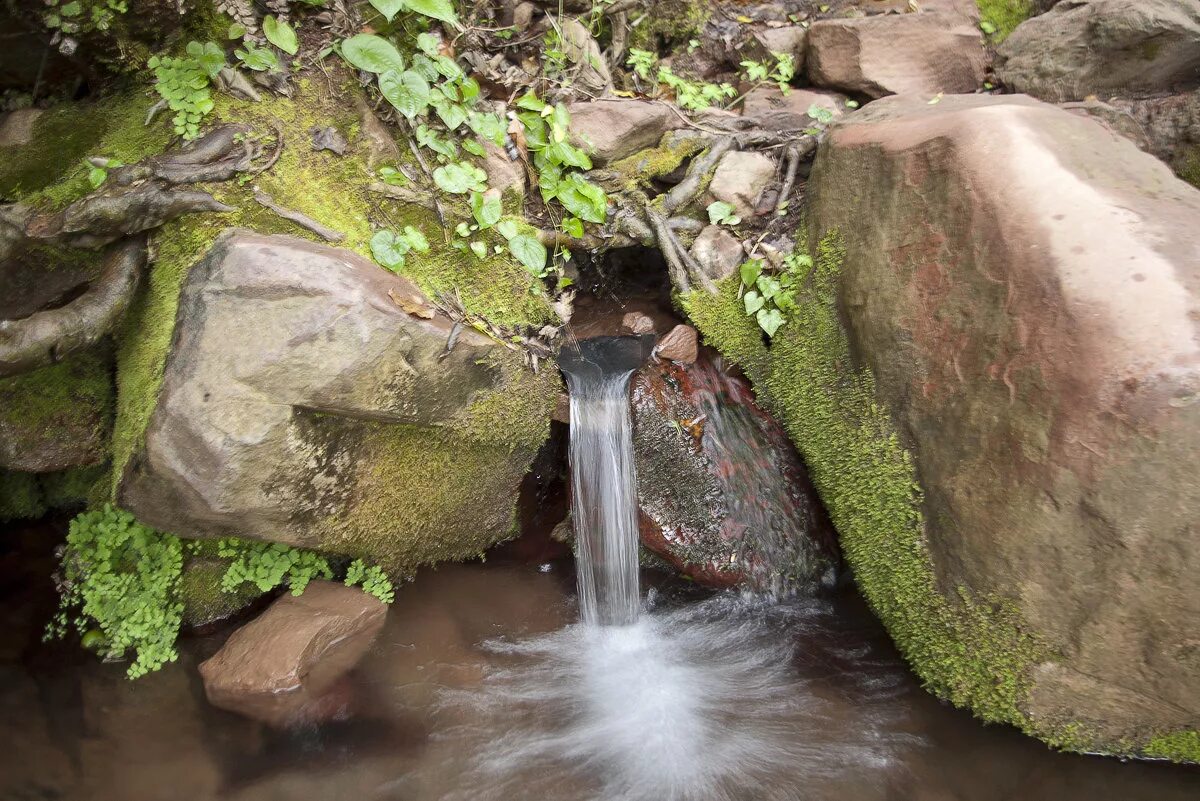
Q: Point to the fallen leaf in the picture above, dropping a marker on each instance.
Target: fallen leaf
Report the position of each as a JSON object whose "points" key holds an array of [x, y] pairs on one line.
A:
{"points": [[412, 303]]}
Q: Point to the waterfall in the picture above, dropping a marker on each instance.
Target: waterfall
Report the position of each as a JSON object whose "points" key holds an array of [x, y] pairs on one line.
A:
{"points": [[603, 483]]}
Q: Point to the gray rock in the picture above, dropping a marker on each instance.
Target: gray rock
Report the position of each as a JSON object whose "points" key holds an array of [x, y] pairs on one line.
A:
{"points": [[777, 111], [740, 178], [309, 399], [590, 70], [16, 127], [1104, 47], [718, 252], [612, 129], [1025, 305], [283, 667], [502, 173], [888, 54]]}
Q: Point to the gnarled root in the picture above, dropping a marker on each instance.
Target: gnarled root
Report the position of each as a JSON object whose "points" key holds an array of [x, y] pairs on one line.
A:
{"points": [[49, 336]]}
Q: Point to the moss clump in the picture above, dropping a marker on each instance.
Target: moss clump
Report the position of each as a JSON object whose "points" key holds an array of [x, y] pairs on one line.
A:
{"points": [[640, 169], [63, 409], [203, 599], [1180, 746], [49, 171], [1187, 165], [20, 496], [1003, 16], [517, 415], [671, 25], [78, 486], [972, 651]]}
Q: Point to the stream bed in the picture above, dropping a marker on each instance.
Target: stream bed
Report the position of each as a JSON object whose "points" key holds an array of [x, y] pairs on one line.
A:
{"points": [[484, 686]]}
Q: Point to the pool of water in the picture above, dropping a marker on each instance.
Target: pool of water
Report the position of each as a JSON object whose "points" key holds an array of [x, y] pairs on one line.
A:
{"points": [[483, 687]]}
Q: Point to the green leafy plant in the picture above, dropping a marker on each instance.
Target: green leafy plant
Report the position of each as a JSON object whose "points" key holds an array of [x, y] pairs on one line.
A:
{"points": [[120, 580], [184, 84], [258, 58], [459, 178], [372, 579], [780, 73], [280, 34], [268, 565], [442, 10], [642, 62], [821, 116], [82, 16], [390, 248], [689, 94], [98, 170], [769, 297], [722, 213]]}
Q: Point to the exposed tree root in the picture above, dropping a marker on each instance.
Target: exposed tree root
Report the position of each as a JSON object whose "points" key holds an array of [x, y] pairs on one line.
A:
{"points": [[49, 336], [302, 220]]}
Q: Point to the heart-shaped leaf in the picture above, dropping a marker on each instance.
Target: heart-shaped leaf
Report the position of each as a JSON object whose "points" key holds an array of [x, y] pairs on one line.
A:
{"points": [[280, 34], [372, 53], [753, 302], [407, 91], [529, 252]]}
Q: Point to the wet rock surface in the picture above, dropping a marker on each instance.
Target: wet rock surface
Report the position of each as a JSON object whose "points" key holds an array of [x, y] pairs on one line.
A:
{"points": [[723, 495], [1104, 47], [285, 667], [1026, 300]]}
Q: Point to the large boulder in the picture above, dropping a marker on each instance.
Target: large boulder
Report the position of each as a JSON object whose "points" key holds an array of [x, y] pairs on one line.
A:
{"points": [[723, 497], [283, 667], [1100, 47], [926, 53], [1023, 319], [310, 398]]}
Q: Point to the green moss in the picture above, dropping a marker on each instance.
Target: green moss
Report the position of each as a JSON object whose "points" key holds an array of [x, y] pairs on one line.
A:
{"points": [[78, 486], [203, 599], [49, 172], [1180, 746], [643, 167], [1187, 165], [20, 496], [67, 405], [972, 651], [516, 416], [671, 25], [1004, 15]]}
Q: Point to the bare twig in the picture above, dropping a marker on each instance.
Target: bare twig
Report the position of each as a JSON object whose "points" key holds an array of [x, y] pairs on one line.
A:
{"points": [[278, 149], [789, 179], [302, 220]]}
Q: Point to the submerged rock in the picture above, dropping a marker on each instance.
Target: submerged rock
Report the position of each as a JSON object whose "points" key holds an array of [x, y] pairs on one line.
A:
{"points": [[302, 403], [723, 496], [283, 668], [1024, 304], [1088, 47], [886, 54]]}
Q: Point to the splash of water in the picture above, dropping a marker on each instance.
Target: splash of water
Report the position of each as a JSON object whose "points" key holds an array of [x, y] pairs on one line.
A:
{"points": [[604, 497]]}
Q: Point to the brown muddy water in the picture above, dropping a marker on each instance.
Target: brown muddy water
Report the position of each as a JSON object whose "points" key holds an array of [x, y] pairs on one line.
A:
{"points": [[482, 686]]}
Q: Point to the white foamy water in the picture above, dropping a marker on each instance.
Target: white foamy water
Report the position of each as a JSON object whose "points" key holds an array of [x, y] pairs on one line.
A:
{"points": [[604, 498], [698, 704]]}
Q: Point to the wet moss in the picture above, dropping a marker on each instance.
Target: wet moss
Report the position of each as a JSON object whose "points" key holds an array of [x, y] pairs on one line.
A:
{"points": [[975, 652], [203, 599], [20, 496], [640, 169], [516, 416], [1179, 746], [1004, 15], [73, 399], [672, 24]]}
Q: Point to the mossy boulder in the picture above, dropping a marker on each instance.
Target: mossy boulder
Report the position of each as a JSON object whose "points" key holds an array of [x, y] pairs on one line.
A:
{"points": [[310, 398], [1005, 429]]}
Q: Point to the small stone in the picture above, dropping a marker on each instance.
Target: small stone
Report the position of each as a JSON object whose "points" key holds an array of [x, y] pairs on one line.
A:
{"points": [[16, 127], [523, 16], [718, 252], [503, 173], [328, 138], [740, 178], [612, 129], [284, 667], [679, 345], [637, 323]]}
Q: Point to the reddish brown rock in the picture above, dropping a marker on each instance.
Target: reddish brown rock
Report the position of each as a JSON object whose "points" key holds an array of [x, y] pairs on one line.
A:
{"points": [[614, 128], [1026, 301], [284, 667], [890, 54], [723, 496], [679, 345], [777, 111]]}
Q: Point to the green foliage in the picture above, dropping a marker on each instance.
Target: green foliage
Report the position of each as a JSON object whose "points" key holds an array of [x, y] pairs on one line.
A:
{"points": [[722, 213], [82, 16], [184, 84], [530, 252], [268, 565], [390, 247], [372, 53], [121, 578], [780, 73], [1180, 746], [689, 94], [768, 297], [373, 580], [258, 58], [436, 9], [460, 178], [280, 34]]}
